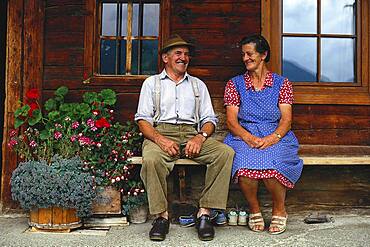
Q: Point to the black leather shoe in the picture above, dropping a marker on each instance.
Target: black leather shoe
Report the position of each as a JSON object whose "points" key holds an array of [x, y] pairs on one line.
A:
{"points": [[159, 230], [206, 232]]}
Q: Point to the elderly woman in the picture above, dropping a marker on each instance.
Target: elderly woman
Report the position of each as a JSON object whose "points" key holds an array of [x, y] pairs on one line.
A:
{"points": [[259, 115]]}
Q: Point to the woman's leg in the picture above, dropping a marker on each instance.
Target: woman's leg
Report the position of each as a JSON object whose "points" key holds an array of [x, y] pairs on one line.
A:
{"points": [[278, 193], [249, 188]]}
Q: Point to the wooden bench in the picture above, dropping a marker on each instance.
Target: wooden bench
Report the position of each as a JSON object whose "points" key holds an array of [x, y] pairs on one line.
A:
{"points": [[312, 155]]}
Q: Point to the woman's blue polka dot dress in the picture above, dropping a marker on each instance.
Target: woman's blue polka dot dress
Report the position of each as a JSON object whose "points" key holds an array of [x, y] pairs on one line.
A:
{"points": [[259, 114]]}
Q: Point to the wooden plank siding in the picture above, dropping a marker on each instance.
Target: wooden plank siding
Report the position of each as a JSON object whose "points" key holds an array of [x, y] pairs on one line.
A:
{"points": [[51, 38], [23, 72]]}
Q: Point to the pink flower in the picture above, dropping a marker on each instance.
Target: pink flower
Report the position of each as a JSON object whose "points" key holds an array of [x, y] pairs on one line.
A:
{"points": [[94, 128], [83, 140], [128, 153], [57, 135], [13, 133], [75, 125], [73, 138], [33, 144], [12, 143], [98, 144], [95, 112], [90, 123]]}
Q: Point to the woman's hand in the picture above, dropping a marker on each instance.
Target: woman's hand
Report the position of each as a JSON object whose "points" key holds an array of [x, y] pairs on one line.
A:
{"points": [[253, 141], [268, 141]]}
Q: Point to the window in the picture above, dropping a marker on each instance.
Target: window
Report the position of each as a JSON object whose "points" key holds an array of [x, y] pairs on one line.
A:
{"points": [[319, 46], [122, 39], [322, 47], [128, 37]]}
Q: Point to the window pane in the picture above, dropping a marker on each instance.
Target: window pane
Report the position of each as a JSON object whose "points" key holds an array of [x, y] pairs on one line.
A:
{"points": [[299, 58], [107, 56], [149, 62], [109, 19], [122, 63], [124, 19], [338, 16], [151, 20], [337, 60], [134, 57], [135, 20], [299, 16]]}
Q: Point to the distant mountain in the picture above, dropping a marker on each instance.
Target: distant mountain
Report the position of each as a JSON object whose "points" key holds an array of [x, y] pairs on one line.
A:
{"points": [[295, 72]]}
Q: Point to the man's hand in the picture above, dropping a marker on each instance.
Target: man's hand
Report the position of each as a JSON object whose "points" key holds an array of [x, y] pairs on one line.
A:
{"points": [[167, 145], [194, 146]]}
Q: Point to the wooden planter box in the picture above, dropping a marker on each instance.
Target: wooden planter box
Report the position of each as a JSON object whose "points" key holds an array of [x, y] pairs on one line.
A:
{"points": [[54, 219], [107, 201]]}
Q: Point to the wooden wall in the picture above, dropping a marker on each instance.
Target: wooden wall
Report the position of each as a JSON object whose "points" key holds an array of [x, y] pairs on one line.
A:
{"points": [[214, 26]]}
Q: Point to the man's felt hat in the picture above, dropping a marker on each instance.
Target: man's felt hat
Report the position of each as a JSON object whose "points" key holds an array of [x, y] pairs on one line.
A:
{"points": [[175, 40]]}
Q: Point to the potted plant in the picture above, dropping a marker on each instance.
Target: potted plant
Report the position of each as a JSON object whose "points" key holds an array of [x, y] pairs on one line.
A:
{"points": [[136, 202], [59, 186], [54, 135], [50, 180]]}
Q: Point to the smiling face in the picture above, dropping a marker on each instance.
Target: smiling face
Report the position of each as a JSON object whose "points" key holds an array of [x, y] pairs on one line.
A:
{"points": [[176, 60], [252, 59]]}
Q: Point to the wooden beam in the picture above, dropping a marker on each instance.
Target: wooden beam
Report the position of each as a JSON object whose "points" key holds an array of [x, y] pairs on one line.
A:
{"points": [[24, 71], [13, 92]]}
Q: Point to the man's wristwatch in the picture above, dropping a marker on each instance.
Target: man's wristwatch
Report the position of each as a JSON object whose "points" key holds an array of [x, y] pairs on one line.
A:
{"points": [[204, 134]]}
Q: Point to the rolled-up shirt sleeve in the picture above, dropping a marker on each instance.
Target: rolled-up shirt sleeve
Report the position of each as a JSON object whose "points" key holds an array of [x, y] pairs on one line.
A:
{"points": [[207, 113], [145, 109]]}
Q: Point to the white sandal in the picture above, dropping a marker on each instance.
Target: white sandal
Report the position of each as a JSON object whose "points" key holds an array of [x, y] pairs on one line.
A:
{"points": [[255, 221], [278, 222]]}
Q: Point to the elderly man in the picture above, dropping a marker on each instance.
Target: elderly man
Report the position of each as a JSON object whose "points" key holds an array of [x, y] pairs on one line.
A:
{"points": [[175, 108]]}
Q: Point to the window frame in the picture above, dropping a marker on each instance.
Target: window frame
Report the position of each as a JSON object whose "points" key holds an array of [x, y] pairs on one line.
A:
{"points": [[91, 44], [356, 93]]}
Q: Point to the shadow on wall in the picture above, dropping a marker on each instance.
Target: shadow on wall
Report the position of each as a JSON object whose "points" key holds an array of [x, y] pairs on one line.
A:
{"points": [[3, 16]]}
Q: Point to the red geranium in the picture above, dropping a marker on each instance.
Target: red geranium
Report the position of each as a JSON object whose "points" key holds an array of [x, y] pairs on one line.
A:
{"points": [[33, 106], [101, 123], [32, 94]]}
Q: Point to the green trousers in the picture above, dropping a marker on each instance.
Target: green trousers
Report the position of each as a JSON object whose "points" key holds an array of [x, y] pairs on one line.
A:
{"points": [[157, 165]]}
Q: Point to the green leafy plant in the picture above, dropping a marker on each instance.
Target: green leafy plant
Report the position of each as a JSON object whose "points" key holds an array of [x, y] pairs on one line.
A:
{"points": [[62, 182], [135, 197], [85, 128]]}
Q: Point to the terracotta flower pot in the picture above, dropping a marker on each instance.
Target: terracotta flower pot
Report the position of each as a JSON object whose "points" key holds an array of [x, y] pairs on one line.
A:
{"points": [[107, 201], [139, 215]]}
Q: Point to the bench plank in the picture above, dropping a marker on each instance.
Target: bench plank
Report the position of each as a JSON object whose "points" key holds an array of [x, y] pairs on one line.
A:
{"points": [[307, 160]]}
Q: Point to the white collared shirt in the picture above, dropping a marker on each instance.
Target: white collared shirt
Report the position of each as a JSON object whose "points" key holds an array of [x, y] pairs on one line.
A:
{"points": [[177, 102]]}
